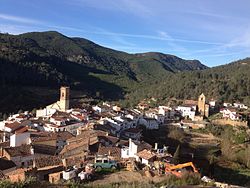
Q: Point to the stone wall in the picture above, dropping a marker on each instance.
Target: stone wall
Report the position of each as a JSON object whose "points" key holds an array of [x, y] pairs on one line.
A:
{"points": [[230, 122]]}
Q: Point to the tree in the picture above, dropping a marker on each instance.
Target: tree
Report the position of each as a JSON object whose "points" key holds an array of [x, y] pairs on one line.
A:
{"points": [[20, 111], [5, 116], [176, 156], [211, 166]]}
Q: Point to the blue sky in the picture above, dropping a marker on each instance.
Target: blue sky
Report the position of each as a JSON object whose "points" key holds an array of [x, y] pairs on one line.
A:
{"points": [[213, 31]]}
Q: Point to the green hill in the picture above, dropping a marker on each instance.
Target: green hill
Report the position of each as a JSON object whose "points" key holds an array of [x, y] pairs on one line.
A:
{"points": [[229, 82], [49, 59]]}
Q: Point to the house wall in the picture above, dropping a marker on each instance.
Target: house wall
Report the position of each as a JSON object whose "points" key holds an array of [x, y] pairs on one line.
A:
{"points": [[130, 151], [45, 112], [144, 161], [27, 160], [17, 177], [2, 123], [55, 177], [19, 139]]}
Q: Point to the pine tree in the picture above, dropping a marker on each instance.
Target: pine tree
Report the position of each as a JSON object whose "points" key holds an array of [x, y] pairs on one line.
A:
{"points": [[176, 157], [5, 116]]}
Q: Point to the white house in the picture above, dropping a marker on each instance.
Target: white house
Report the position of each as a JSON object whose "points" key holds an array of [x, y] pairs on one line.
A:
{"points": [[155, 115], [226, 104], [69, 126], [133, 148], [212, 103], [187, 111], [230, 113], [240, 105], [163, 110], [19, 139]]}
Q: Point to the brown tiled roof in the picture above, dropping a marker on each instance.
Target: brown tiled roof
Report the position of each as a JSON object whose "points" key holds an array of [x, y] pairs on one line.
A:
{"points": [[5, 144], [6, 164], [46, 136], [21, 130], [145, 154], [87, 134], [44, 149], [13, 125], [47, 161], [60, 114], [23, 150], [111, 139], [142, 145], [105, 127], [64, 135], [83, 146], [133, 130], [192, 102], [112, 151]]}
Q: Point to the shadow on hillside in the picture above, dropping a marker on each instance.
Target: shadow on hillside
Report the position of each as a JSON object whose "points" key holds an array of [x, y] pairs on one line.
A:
{"points": [[231, 176], [14, 94]]}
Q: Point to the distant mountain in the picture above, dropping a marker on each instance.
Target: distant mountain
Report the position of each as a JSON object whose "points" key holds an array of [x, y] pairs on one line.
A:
{"points": [[50, 59]]}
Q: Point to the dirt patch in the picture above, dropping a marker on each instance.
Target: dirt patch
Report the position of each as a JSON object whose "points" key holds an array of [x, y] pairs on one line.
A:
{"points": [[127, 176]]}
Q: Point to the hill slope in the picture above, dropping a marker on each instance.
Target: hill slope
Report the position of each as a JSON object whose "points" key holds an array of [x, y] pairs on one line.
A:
{"points": [[229, 82], [50, 59]]}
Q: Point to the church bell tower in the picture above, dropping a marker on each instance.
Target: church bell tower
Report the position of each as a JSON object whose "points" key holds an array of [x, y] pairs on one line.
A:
{"points": [[64, 98]]}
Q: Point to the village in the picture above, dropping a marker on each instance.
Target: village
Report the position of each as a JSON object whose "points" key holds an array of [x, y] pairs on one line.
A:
{"points": [[61, 143]]}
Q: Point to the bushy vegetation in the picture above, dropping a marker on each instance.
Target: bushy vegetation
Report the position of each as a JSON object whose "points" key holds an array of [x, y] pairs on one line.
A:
{"points": [[50, 59], [29, 182]]}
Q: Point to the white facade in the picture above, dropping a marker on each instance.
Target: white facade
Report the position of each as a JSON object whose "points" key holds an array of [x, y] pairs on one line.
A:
{"points": [[226, 104], [72, 128], [212, 103], [231, 114], [97, 109], [187, 111], [131, 151], [240, 105], [45, 112], [20, 139]]}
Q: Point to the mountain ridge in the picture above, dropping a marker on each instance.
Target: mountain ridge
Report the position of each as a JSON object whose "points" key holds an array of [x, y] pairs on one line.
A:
{"points": [[50, 59]]}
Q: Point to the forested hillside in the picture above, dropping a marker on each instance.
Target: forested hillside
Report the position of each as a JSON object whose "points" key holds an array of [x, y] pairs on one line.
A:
{"points": [[229, 82], [49, 59]]}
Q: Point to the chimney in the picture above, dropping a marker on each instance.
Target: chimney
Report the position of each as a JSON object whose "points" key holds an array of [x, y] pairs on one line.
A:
{"points": [[130, 144], [32, 150], [64, 162], [34, 162], [156, 146]]}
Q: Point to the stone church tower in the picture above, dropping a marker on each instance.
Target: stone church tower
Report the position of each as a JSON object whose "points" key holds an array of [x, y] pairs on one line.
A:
{"points": [[64, 98], [203, 108]]}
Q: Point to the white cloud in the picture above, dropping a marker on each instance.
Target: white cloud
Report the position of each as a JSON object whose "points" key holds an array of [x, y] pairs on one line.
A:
{"points": [[18, 19]]}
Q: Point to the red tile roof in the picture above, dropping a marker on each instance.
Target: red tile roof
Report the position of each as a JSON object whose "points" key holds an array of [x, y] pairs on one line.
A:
{"points": [[112, 151], [24, 150], [146, 154], [13, 125]]}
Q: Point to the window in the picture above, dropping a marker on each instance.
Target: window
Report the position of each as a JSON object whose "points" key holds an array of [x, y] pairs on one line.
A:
{"points": [[105, 161]]}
